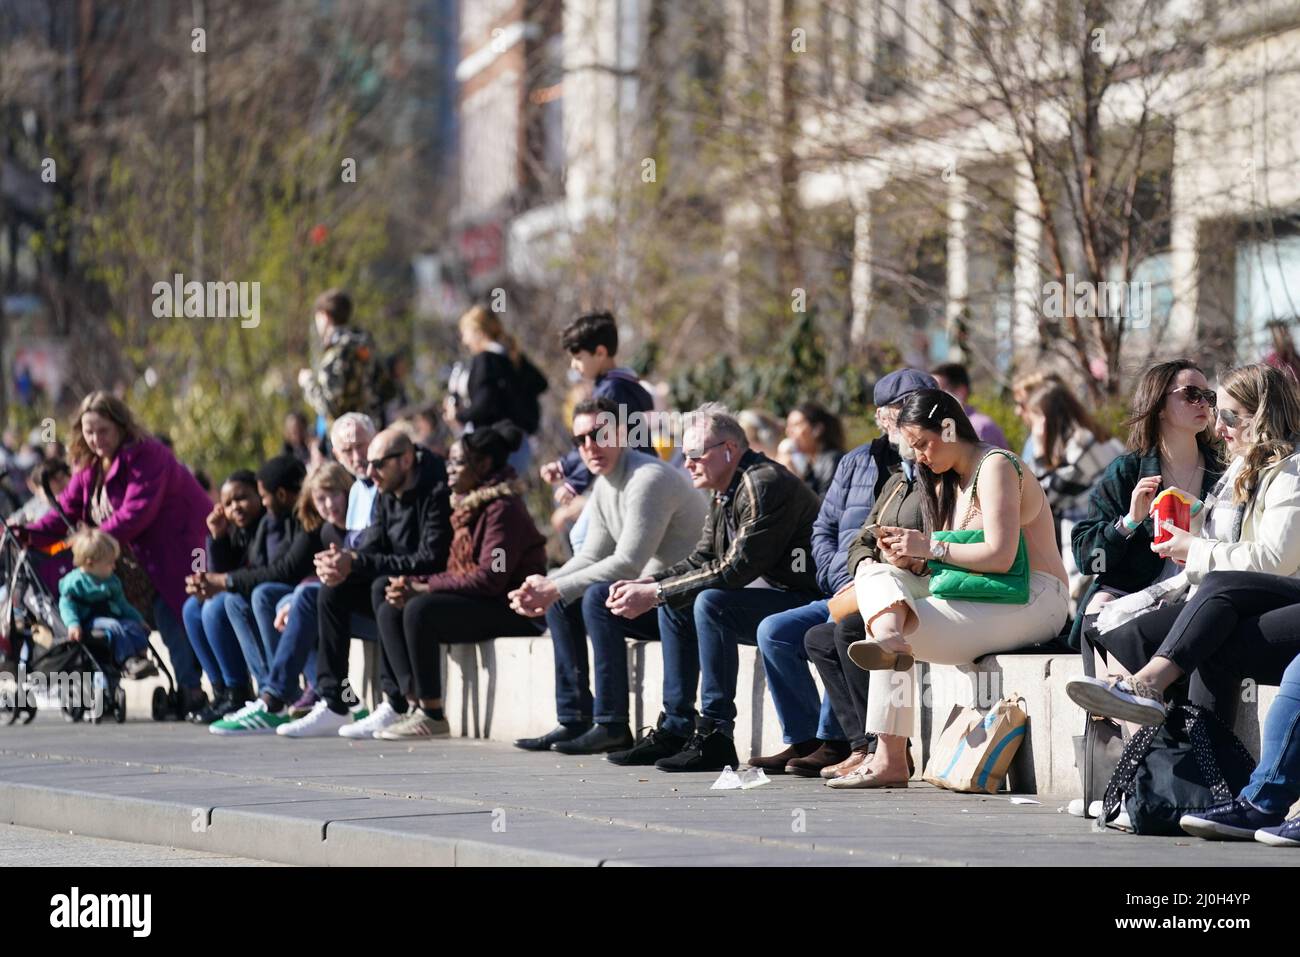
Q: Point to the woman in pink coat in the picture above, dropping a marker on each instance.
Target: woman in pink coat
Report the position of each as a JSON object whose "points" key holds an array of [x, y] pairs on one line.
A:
{"points": [[131, 486]]}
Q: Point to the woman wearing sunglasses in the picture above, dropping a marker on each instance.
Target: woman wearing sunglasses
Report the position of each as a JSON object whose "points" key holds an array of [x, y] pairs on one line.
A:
{"points": [[1251, 524], [1171, 444]]}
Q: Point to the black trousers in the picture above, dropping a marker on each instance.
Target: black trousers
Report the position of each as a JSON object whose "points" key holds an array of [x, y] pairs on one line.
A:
{"points": [[413, 635], [336, 604], [846, 684], [1238, 625]]}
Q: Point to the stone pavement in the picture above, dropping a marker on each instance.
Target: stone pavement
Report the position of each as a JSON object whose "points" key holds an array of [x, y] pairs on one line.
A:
{"points": [[37, 848], [474, 802]]}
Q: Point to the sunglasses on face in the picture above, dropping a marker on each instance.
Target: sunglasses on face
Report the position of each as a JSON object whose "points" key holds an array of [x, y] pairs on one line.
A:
{"points": [[695, 456], [1228, 417], [1195, 396], [593, 437], [379, 462]]}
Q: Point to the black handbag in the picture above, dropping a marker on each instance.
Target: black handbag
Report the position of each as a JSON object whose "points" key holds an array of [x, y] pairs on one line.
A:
{"points": [[1189, 763]]}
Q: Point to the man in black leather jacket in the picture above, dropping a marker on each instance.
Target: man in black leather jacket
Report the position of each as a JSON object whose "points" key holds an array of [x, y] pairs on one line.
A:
{"points": [[754, 559]]}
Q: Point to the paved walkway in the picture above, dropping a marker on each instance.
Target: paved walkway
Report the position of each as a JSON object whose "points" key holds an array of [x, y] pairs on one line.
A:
{"points": [[464, 802]]}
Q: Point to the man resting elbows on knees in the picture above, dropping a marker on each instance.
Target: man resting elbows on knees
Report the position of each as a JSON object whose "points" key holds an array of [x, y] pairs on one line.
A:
{"points": [[754, 559], [644, 516]]}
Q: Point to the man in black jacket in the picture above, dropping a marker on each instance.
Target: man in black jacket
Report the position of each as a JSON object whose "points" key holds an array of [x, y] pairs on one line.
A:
{"points": [[410, 535], [754, 559]]}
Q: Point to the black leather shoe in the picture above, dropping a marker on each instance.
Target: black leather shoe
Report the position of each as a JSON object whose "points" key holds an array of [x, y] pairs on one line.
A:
{"points": [[656, 744], [600, 739], [706, 751], [562, 732]]}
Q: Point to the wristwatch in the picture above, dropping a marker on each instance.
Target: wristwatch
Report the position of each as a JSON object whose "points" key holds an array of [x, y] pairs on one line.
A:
{"points": [[659, 594], [938, 550]]}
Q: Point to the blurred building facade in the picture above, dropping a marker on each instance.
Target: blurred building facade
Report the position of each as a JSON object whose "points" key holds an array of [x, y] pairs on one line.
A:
{"points": [[931, 236]]}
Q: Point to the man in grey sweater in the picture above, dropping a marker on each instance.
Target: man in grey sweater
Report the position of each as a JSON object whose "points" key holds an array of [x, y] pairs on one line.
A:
{"points": [[645, 516]]}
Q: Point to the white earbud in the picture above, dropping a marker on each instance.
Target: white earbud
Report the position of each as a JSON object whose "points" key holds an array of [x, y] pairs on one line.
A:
{"points": [[728, 456]]}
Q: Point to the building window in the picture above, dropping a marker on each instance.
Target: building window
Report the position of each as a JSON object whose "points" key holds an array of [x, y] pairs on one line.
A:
{"points": [[1268, 288]]}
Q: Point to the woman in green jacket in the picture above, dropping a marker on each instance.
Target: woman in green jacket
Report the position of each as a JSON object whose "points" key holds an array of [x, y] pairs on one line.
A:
{"points": [[1171, 444]]}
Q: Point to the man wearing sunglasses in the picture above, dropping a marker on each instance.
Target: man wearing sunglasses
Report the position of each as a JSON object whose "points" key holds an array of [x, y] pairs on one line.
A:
{"points": [[754, 559], [410, 535], [645, 516]]}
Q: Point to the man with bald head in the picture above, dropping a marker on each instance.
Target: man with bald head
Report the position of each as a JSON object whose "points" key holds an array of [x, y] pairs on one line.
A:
{"points": [[410, 534]]}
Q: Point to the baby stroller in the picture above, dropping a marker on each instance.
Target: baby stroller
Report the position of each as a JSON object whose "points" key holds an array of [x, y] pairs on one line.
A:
{"points": [[35, 650]]}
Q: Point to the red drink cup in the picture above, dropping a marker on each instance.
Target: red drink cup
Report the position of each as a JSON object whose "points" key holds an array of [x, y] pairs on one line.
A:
{"points": [[1172, 506]]}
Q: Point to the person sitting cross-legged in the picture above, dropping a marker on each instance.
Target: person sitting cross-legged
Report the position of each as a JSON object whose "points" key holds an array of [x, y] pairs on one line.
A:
{"points": [[644, 516], [899, 505], [753, 560], [966, 484], [815, 738]]}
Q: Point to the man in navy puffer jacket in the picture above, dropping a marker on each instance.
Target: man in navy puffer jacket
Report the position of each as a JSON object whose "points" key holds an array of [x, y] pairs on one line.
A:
{"points": [[814, 737]]}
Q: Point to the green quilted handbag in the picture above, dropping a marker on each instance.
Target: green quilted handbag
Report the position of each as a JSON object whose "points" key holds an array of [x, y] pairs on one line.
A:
{"points": [[954, 583]]}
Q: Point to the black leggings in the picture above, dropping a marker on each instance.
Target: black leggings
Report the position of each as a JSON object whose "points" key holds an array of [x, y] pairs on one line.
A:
{"points": [[412, 635], [1237, 625]]}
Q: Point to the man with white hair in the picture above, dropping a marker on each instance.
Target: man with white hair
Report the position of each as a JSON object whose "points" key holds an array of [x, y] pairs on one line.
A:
{"points": [[350, 437], [754, 559]]}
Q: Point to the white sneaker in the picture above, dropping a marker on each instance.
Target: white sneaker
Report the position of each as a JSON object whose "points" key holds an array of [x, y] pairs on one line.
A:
{"points": [[1121, 698], [320, 722], [248, 708], [378, 719]]}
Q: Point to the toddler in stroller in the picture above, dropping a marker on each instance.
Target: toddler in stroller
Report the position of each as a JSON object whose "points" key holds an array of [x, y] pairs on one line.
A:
{"points": [[91, 598]]}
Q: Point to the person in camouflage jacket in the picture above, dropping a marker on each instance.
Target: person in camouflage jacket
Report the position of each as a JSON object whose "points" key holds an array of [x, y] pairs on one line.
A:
{"points": [[345, 378]]}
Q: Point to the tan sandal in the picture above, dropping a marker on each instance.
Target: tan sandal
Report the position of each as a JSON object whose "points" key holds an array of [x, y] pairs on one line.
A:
{"points": [[848, 765], [863, 778], [872, 656]]}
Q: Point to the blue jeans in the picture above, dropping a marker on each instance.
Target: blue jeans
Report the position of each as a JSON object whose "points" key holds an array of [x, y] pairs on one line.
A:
{"points": [[185, 666], [127, 638], [295, 653], [214, 641], [571, 623], [785, 662], [253, 619], [1275, 785], [700, 643]]}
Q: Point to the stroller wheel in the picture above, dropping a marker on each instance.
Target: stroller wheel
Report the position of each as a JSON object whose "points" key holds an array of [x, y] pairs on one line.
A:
{"points": [[160, 704], [119, 704]]}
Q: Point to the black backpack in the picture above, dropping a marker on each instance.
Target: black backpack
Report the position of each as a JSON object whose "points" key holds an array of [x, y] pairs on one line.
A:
{"points": [[526, 411], [1189, 763]]}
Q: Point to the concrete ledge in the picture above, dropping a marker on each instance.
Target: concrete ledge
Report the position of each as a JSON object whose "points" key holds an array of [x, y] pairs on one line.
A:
{"points": [[505, 689]]}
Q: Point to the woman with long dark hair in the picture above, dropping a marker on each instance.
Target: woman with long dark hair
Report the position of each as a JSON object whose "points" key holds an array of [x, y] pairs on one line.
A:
{"points": [[966, 484], [1251, 523], [1171, 444]]}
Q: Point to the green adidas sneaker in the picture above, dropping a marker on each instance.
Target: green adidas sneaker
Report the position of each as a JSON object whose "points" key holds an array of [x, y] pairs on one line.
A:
{"points": [[252, 718]]}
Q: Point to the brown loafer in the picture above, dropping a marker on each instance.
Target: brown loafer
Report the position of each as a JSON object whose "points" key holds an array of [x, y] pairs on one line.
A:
{"points": [[848, 764], [810, 766], [775, 764]]}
